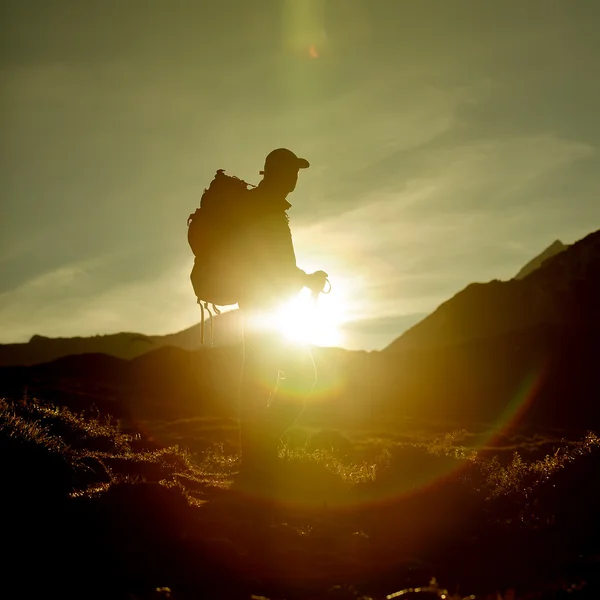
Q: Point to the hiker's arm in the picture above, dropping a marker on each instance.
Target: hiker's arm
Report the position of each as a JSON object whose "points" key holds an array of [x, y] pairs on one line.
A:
{"points": [[286, 258], [271, 260], [313, 281]]}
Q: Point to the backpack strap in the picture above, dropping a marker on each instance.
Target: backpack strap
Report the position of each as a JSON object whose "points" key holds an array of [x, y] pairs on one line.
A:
{"points": [[206, 306], [201, 321]]}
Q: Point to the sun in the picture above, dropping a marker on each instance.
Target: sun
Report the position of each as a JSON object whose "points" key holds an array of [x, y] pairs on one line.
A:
{"points": [[310, 321]]}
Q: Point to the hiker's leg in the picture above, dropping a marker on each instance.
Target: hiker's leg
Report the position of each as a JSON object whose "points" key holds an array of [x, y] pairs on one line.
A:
{"points": [[299, 374], [259, 377]]}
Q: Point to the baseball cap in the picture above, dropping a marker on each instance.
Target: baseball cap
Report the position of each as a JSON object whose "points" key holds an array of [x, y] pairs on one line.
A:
{"points": [[282, 158]]}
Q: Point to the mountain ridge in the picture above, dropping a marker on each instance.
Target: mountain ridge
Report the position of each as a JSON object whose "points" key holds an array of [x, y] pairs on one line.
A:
{"points": [[521, 349], [561, 290], [126, 345]]}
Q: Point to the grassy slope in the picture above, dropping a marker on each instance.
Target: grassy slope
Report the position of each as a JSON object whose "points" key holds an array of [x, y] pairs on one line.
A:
{"points": [[93, 511]]}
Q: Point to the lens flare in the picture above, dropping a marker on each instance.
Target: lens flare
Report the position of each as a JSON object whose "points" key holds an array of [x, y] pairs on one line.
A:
{"points": [[310, 321]]}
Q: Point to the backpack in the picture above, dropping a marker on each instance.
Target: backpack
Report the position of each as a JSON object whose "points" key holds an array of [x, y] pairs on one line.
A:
{"points": [[215, 235]]}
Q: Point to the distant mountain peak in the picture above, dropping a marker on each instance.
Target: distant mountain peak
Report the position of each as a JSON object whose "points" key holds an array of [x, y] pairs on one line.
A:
{"points": [[37, 338], [558, 288], [553, 249]]}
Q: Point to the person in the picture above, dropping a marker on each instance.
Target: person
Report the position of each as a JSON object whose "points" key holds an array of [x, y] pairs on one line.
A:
{"points": [[276, 375]]}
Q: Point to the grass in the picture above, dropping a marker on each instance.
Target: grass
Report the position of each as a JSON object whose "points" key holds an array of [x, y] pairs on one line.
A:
{"points": [[354, 517]]}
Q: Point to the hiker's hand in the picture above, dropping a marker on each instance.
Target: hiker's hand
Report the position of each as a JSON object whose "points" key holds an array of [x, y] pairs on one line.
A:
{"points": [[315, 282]]}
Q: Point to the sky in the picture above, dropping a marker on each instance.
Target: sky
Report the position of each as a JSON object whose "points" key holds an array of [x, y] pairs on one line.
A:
{"points": [[449, 141]]}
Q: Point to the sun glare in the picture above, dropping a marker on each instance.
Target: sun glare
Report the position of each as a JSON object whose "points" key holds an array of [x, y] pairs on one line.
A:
{"points": [[306, 321]]}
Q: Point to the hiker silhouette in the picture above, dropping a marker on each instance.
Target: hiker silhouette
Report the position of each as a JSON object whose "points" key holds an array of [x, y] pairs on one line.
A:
{"points": [[277, 375]]}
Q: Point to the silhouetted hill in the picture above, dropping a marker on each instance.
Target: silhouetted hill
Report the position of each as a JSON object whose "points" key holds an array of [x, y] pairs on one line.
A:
{"points": [[167, 383], [522, 349], [42, 349], [535, 263], [365, 333], [545, 376], [564, 291]]}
